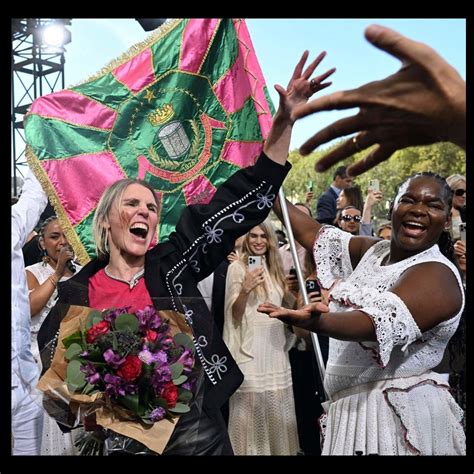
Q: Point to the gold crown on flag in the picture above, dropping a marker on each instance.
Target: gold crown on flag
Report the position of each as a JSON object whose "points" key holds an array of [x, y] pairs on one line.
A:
{"points": [[162, 115]]}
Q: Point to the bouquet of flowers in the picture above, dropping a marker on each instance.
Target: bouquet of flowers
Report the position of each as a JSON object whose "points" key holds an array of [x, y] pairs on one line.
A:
{"points": [[129, 367]]}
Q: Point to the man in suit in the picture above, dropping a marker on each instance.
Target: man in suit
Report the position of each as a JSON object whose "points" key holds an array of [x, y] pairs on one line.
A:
{"points": [[326, 207]]}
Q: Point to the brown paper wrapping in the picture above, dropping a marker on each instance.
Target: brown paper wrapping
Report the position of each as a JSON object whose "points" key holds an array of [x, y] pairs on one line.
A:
{"points": [[52, 383]]}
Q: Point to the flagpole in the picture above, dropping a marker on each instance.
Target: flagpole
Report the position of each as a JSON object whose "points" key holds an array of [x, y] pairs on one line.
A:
{"points": [[301, 282]]}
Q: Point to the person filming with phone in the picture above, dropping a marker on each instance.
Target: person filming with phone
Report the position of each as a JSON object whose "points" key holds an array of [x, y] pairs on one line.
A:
{"points": [[262, 419]]}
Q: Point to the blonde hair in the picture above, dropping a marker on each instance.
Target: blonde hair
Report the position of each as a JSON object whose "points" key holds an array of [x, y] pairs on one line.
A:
{"points": [[110, 196], [454, 180], [272, 256]]}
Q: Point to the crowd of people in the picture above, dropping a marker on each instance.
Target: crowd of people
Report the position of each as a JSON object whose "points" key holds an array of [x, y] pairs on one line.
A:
{"points": [[387, 304]]}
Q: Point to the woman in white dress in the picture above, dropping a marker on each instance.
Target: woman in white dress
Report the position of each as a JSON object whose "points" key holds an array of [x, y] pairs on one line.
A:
{"points": [[262, 419], [42, 279], [393, 307]]}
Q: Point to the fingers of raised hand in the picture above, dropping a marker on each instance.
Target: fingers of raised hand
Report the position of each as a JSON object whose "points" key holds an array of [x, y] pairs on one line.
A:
{"points": [[348, 148], [381, 153], [297, 72], [337, 129]]}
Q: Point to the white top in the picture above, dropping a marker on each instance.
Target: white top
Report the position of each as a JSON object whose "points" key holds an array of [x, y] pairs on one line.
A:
{"points": [[401, 349], [25, 215], [262, 419], [239, 337], [42, 273]]}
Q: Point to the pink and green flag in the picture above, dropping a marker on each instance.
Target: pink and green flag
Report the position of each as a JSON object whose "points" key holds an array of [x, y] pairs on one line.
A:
{"points": [[183, 110]]}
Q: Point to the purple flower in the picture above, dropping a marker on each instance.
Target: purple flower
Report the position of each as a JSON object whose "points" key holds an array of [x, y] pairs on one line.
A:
{"points": [[92, 376], [148, 357], [161, 375], [118, 387], [112, 314], [148, 318], [113, 359], [187, 360], [165, 341], [157, 414]]}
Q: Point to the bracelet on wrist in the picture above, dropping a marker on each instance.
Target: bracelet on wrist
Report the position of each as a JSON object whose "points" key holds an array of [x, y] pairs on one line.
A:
{"points": [[53, 281]]}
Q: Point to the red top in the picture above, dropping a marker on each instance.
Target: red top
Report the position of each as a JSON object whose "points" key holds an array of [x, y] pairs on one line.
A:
{"points": [[107, 293]]}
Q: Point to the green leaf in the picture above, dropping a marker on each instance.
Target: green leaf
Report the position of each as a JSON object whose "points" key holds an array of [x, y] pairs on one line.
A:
{"points": [[147, 421], [88, 389], [185, 396], [72, 338], [73, 351], [126, 321], [93, 317], [176, 370], [180, 408], [131, 402], [75, 379], [182, 339], [181, 379]]}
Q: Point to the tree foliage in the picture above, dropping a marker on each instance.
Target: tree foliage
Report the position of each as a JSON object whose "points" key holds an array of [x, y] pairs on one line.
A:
{"points": [[442, 158]]}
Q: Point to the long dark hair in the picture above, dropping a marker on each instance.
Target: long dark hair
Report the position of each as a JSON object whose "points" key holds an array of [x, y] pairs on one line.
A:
{"points": [[445, 242]]}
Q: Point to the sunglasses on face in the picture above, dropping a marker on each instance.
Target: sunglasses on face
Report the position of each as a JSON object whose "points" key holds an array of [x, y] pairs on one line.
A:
{"points": [[459, 192], [351, 218]]}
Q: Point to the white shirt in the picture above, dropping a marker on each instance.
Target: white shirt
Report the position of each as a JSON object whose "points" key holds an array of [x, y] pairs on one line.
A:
{"points": [[25, 215]]}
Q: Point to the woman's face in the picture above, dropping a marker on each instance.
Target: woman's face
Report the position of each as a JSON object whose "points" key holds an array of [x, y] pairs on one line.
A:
{"points": [[385, 233], [341, 201], [459, 201], [132, 221], [420, 214], [257, 241], [53, 239], [350, 221]]}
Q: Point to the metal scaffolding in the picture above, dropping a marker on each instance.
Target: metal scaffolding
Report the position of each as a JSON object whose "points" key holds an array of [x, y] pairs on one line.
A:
{"points": [[36, 70]]}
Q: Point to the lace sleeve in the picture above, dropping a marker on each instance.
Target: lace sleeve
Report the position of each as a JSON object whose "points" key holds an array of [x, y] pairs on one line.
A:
{"points": [[331, 255], [238, 336], [394, 324]]}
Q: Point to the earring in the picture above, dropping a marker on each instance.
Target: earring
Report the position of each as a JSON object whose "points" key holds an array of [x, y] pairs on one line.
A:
{"points": [[44, 257]]}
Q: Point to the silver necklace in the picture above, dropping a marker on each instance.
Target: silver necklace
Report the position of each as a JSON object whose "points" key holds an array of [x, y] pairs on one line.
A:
{"points": [[133, 281]]}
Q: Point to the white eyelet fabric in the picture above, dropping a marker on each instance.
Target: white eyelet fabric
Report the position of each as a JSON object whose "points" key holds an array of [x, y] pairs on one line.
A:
{"points": [[401, 357]]}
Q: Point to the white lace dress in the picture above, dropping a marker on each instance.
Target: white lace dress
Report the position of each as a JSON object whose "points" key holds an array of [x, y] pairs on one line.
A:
{"points": [[54, 441], [384, 399], [262, 419]]}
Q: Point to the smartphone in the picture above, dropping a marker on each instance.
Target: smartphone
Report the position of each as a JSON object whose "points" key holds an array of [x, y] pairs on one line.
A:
{"points": [[309, 186], [254, 261], [462, 231], [312, 286], [374, 184]]}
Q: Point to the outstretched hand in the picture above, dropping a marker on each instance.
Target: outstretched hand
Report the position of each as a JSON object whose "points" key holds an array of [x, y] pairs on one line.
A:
{"points": [[423, 103], [302, 317], [301, 87]]}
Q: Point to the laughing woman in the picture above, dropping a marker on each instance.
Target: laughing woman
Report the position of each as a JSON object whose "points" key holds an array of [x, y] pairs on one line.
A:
{"points": [[393, 307], [128, 273]]}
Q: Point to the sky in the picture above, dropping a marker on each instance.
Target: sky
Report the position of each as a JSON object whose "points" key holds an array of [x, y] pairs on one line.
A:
{"points": [[279, 44]]}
